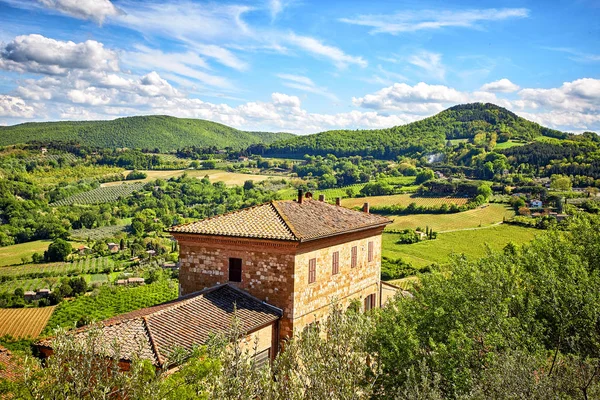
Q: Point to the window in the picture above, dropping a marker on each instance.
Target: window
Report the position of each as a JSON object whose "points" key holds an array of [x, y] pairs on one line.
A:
{"points": [[335, 263], [370, 251], [235, 270], [370, 302], [354, 256], [312, 270], [262, 358]]}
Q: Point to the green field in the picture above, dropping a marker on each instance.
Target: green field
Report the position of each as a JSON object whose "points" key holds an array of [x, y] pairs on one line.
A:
{"points": [[109, 301], [11, 255], [508, 145], [482, 216], [102, 194], [81, 266], [469, 242], [403, 200]]}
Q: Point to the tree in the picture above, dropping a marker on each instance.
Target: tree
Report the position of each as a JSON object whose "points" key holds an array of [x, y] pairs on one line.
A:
{"points": [[561, 182], [485, 191], [248, 184], [424, 176], [58, 250]]}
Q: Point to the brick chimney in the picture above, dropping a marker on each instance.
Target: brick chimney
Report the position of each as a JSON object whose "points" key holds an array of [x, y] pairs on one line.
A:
{"points": [[366, 208], [338, 201], [321, 197], [300, 195]]}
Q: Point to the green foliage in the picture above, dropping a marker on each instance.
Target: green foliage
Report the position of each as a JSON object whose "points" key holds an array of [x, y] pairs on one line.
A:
{"points": [[135, 175], [58, 250], [426, 136], [147, 132], [424, 176]]}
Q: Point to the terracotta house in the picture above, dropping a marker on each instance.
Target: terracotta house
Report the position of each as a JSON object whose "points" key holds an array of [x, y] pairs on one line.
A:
{"points": [[297, 255], [278, 264]]}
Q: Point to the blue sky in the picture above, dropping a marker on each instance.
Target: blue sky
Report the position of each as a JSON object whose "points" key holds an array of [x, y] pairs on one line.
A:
{"points": [[299, 66]]}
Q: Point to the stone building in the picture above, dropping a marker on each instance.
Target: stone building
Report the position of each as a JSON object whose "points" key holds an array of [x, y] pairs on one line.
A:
{"points": [[297, 255], [279, 265]]}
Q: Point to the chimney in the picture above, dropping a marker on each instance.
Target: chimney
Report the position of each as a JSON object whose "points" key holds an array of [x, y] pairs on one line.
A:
{"points": [[366, 208], [338, 201], [321, 197], [300, 195]]}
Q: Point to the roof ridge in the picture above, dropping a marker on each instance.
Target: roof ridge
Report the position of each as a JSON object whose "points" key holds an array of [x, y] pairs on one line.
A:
{"points": [[152, 342], [285, 220]]}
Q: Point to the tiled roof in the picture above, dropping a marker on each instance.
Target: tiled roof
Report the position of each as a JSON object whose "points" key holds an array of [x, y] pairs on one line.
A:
{"points": [[285, 220], [9, 368], [154, 332]]}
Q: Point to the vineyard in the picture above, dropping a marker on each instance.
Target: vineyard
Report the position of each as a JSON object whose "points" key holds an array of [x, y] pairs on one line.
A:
{"points": [[24, 322], [101, 194], [404, 200], [32, 284], [109, 301], [82, 266], [99, 233]]}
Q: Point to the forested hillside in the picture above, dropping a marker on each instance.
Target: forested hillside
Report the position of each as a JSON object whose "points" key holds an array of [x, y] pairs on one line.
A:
{"points": [[145, 132], [425, 136]]}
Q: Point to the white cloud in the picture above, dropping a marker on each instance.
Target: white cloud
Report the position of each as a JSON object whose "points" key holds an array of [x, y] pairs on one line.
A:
{"points": [[411, 21], [503, 86], [284, 100], [431, 63], [276, 7], [15, 107], [38, 54], [95, 10], [321, 50], [581, 95], [306, 84], [183, 64], [222, 55]]}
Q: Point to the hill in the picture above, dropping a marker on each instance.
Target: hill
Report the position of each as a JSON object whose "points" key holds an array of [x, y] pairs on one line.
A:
{"points": [[424, 136], [156, 131]]}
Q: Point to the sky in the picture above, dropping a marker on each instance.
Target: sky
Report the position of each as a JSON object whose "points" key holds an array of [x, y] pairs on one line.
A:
{"points": [[299, 66]]}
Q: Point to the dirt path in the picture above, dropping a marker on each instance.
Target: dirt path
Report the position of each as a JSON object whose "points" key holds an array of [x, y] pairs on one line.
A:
{"points": [[473, 229]]}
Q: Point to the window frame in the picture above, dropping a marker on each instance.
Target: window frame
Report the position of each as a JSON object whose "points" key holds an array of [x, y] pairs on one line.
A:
{"points": [[370, 302]]}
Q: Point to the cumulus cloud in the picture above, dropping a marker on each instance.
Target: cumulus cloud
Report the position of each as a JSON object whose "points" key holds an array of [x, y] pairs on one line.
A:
{"points": [[39, 54], [284, 100], [502, 86], [581, 95], [15, 107], [412, 21], [95, 10]]}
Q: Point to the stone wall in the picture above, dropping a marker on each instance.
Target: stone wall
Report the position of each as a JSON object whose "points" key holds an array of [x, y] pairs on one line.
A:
{"points": [[312, 300]]}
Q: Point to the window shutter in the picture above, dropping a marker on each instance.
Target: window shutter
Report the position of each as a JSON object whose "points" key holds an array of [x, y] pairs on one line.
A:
{"points": [[354, 256], [312, 270], [335, 263], [235, 270], [370, 251]]}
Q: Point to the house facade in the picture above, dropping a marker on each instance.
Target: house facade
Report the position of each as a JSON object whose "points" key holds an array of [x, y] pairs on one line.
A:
{"points": [[297, 255]]}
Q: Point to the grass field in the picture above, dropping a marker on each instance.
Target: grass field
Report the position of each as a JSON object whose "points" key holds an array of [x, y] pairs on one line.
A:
{"points": [[24, 322], [508, 145], [10, 255], [403, 200], [215, 175], [470, 242], [482, 216]]}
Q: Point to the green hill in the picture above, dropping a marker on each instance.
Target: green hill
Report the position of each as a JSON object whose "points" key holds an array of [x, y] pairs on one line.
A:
{"points": [[424, 136], [157, 131]]}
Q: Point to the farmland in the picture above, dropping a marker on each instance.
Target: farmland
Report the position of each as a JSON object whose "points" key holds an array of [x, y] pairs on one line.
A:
{"points": [[214, 175], [469, 242], [101, 194], [81, 266], [108, 301], [403, 200], [24, 322], [482, 216], [10, 255]]}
